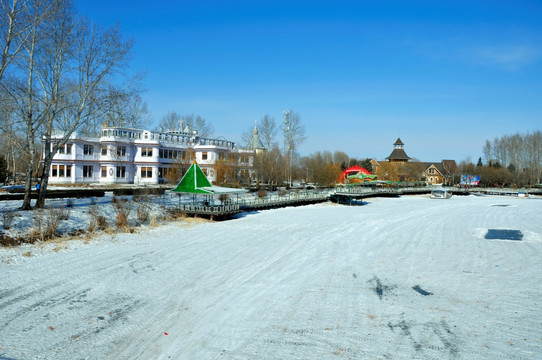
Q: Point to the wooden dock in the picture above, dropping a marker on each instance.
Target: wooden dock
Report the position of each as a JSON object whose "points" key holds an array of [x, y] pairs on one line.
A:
{"points": [[343, 195], [223, 211]]}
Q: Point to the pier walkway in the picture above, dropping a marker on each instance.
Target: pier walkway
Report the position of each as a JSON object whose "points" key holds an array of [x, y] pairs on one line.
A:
{"points": [[341, 195], [214, 211]]}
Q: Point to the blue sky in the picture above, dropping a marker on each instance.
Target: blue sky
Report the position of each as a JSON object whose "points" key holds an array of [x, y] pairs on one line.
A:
{"points": [[442, 75]]}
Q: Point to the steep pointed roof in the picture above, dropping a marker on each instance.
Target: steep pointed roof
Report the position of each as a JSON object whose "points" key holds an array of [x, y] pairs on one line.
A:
{"points": [[194, 181], [255, 143], [398, 153]]}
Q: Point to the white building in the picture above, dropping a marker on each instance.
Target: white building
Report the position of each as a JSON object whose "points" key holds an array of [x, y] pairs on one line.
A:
{"points": [[122, 155]]}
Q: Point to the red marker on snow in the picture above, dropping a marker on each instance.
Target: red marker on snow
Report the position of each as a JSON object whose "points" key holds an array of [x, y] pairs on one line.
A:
{"points": [[165, 333]]}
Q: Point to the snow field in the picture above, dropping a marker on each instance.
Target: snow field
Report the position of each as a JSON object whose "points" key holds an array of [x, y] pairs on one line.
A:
{"points": [[315, 282]]}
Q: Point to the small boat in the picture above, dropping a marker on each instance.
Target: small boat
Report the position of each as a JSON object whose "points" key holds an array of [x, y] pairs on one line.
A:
{"points": [[440, 194]]}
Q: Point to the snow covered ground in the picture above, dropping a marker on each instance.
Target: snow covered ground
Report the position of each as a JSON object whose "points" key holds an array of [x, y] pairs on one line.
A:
{"points": [[397, 278]]}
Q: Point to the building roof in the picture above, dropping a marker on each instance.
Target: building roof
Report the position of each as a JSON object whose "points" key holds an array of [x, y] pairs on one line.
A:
{"points": [[444, 167], [255, 143], [398, 154], [194, 181]]}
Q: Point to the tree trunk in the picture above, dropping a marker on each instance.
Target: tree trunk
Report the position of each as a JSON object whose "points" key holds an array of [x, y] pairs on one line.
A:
{"points": [[44, 181], [28, 182]]}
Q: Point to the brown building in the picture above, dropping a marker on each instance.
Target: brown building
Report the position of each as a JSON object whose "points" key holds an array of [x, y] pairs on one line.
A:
{"points": [[398, 167], [398, 155]]}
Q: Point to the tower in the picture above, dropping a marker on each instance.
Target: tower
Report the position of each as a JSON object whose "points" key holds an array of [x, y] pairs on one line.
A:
{"points": [[398, 154]]}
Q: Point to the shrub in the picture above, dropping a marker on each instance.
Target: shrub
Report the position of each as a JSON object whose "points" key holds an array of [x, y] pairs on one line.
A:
{"points": [[60, 213], [93, 210], [122, 220], [101, 221], [39, 224], [142, 213], [122, 209], [8, 241], [8, 217], [118, 201], [261, 194], [92, 225], [69, 203], [52, 222]]}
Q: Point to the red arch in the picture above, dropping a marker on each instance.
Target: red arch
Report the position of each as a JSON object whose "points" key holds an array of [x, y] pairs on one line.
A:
{"points": [[353, 170]]}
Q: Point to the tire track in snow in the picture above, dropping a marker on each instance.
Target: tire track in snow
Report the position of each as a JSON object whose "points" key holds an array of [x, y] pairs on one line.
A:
{"points": [[237, 285]]}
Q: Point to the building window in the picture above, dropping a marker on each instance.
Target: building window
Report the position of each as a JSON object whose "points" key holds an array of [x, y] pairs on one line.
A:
{"points": [[69, 170], [54, 171], [161, 153], [87, 171], [88, 149], [146, 152], [146, 172], [68, 148], [220, 156], [104, 150], [121, 150], [61, 170], [121, 171], [104, 171], [204, 155], [61, 150]]}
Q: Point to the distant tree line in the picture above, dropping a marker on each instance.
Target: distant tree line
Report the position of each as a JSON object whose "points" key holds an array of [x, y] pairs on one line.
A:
{"points": [[510, 160], [272, 168], [520, 154]]}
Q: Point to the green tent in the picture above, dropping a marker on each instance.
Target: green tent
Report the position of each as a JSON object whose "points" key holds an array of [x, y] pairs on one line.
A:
{"points": [[194, 181]]}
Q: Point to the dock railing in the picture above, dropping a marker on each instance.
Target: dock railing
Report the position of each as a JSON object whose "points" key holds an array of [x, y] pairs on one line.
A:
{"points": [[209, 209]]}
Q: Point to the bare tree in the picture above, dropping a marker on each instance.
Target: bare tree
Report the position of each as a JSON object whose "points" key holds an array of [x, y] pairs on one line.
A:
{"points": [[523, 152], [294, 135], [197, 122], [269, 167], [267, 130], [321, 169], [22, 88], [10, 132], [341, 158], [96, 56], [15, 22], [120, 105], [172, 121]]}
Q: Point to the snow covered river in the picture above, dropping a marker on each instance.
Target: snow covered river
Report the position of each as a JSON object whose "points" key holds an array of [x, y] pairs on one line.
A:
{"points": [[399, 278]]}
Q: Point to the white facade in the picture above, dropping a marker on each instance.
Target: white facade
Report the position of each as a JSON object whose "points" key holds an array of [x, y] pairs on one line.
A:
{"points": [[131, 156]]}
